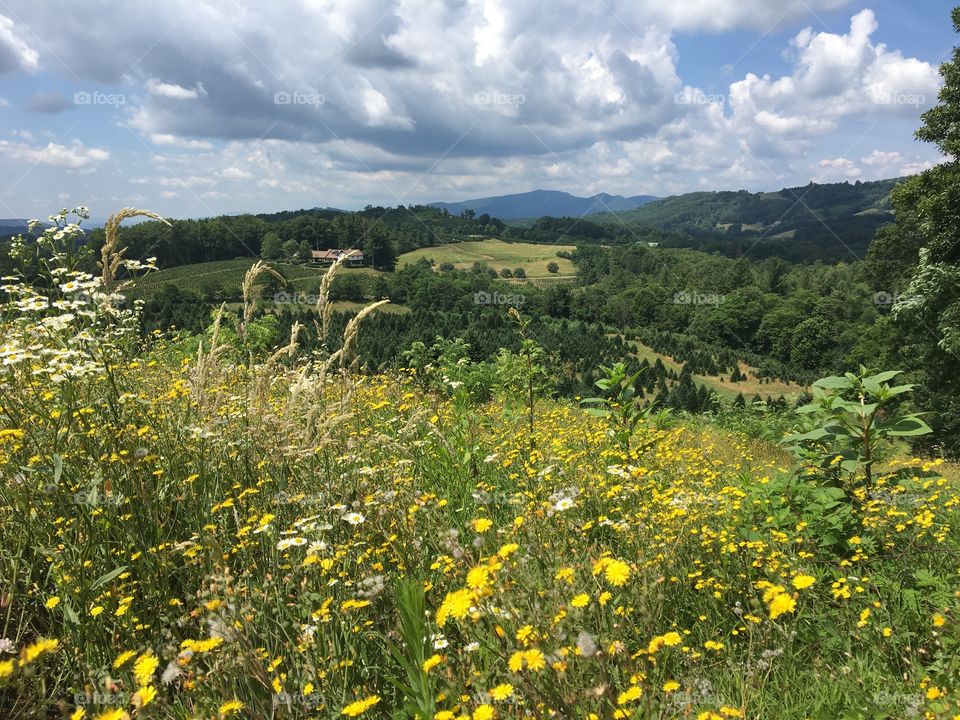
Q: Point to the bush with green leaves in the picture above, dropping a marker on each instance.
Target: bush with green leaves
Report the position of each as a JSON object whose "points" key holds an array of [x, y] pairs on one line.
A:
{"points": [[854, 418]]}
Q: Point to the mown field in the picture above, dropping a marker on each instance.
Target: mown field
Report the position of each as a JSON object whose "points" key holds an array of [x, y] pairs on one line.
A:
{"points": [[726, 389], [213, 533], [497, 254]]}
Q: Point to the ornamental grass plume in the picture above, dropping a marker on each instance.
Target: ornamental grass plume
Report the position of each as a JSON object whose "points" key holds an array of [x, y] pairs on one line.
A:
{"points": [[111, 258]]}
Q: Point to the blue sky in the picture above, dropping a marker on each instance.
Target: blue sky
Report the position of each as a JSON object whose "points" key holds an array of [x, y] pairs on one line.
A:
{"points": [[199, 108]]}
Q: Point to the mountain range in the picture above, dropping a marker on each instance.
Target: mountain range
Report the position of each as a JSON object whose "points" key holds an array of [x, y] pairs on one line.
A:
{"points": [[538, 203]]}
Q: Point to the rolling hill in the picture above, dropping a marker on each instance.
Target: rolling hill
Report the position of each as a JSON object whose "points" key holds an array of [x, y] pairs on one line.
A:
{"points": [[538, 203]]}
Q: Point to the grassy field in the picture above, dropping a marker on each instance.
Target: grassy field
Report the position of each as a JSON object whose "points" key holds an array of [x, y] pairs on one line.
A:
{"points": [[498, 254], [749, 387], [232, 533]]}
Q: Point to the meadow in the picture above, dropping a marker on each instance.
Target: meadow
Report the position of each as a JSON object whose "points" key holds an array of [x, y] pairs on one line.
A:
{"points": [[533, 258], [214, 533]]}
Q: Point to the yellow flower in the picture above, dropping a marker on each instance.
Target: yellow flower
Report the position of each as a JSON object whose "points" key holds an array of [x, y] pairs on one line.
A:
{"points": [[41, 646], [122, 658], [144, 696], [525, 634], [516, 661], [484, 712], [78, 714], [6, 669], [501, 691], [672, 638], [52, 603], [457, 604], [933, 693], [113, 715], [617, 572], [145, 667], [781, 604], [431, 662], [481, 525], [629, 695], [478, 577], [535, 660], [444, 715], [360, 706], [939, 620], [94, 611], [581, 600], [802, 582], [231, 706], [670, 686], [887, 632]]}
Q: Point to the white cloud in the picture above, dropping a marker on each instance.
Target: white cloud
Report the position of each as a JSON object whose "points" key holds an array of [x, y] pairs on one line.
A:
{"points": [[235, 173], [839, 75], [15, 53], [172, 90], [836, 170], [74, 156], [173, 140]]}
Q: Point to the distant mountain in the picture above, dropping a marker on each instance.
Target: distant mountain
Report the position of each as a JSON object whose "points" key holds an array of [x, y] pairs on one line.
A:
{"points": [[12, 226], [538, 203]]}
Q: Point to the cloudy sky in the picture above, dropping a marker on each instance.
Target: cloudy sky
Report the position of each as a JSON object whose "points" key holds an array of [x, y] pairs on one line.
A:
{"points": [[199, 107]]}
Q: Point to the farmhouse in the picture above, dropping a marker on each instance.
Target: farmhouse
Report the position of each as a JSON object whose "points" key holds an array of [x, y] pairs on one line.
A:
{"points": [[328, 257]]}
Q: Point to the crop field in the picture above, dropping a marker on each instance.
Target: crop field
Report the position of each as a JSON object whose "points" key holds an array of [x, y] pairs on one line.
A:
{"points": [[497, 254]]}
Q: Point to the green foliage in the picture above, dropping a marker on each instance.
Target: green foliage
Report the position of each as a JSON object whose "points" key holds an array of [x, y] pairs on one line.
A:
{"points": [[417, 686], [854, 418], [621, 405]]}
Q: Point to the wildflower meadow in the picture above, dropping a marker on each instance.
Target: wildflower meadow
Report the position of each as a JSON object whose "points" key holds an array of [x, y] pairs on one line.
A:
{"points": [[191, 527]]}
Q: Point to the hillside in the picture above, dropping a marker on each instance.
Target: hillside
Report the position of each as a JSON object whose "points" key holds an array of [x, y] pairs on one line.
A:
{"points": [[539, 203], [837, 220], [249, 531]]}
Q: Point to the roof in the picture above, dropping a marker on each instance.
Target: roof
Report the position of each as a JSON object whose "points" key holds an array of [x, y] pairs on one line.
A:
{"points": [[336, 253]]}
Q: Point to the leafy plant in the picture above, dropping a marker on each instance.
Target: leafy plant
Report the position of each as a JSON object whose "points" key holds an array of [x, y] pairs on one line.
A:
{"points": [[621, 406], [854, 417]]}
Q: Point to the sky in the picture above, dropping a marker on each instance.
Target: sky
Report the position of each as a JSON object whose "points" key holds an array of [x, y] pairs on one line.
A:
{"points": [[194, 108]]}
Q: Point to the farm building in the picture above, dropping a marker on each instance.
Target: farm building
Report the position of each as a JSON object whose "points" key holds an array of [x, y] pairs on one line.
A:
{"points": [[328, 257]]}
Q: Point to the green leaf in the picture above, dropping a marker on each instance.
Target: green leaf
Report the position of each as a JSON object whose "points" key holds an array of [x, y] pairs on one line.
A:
{"points": [[909, 426], [104, 579], [883, 377], [833, 383]]}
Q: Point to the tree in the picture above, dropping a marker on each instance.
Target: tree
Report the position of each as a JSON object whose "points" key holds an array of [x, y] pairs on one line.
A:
{"points": [[519, 273], [920, 253], [291, 250], [271, 247], [378, 248], [552, 267], [506, 273]]}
